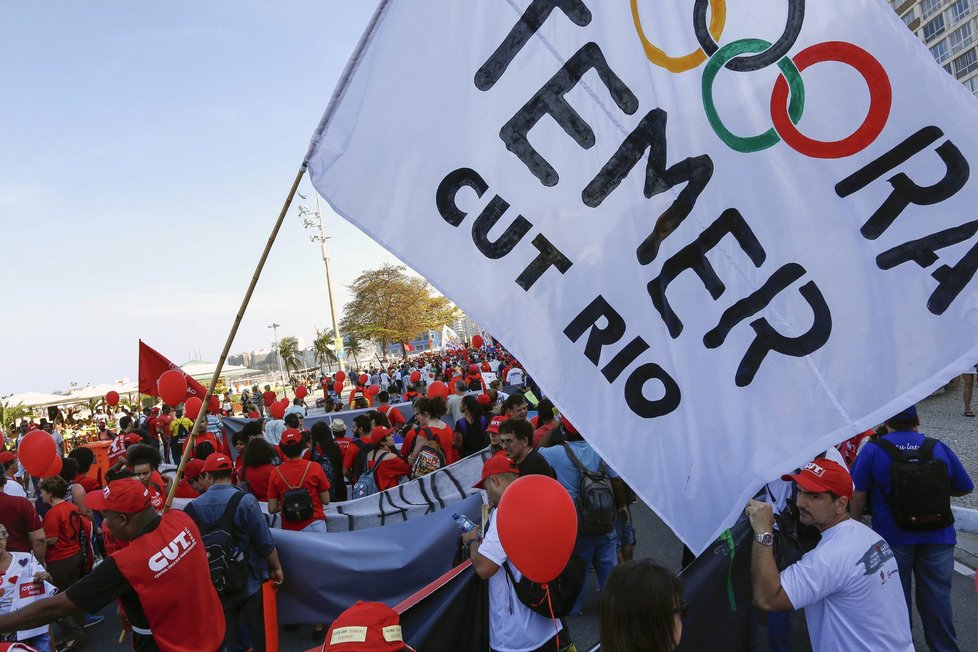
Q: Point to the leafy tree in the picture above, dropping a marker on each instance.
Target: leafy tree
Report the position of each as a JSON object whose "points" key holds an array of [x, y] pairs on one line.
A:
{"points": [[321, 347], [391, 307], [10, 413], [288, 348], [355, 347]]}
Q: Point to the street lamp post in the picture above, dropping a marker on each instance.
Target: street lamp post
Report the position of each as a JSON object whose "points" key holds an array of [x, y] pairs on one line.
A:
{"points": [[322, 239], [278, 352]]}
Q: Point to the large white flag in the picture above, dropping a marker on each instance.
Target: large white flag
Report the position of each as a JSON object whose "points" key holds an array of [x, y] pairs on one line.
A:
{"points": [[722, 235]]}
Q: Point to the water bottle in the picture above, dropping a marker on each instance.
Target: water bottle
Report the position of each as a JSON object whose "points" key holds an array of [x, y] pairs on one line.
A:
{"points": [[464, 523]]}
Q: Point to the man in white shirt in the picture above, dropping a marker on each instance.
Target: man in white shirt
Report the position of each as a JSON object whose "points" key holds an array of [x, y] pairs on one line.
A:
{"points": [[10, 466], [513, 627], [849, 585]]}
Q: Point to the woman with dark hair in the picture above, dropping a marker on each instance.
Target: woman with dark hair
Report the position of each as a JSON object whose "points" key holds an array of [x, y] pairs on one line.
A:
{"points": [[64, 556], [429, 412], [642, 609], [257, 467], [328, 455], [85, 459], [472, 426], [388, 467], [203, 449]]}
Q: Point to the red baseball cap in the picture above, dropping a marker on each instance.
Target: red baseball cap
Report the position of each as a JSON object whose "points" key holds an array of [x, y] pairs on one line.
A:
{"points": [[366, 627], [483, 399], [125, 496], [377, 434], [217, 462], [291, 436], [821, 475], [7, 457], [132, 438], [194, 469], [496, 422], [495, 465]]}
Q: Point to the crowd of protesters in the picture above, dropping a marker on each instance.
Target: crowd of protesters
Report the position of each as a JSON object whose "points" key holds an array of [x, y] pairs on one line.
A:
{"points": [[88, 537]]}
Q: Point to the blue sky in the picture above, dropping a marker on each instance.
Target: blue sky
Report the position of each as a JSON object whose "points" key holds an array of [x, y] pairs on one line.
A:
{"points": [[145, 151]]}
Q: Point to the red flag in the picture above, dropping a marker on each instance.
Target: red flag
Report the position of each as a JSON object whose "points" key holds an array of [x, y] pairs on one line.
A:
{"points": [[408, 347], [151, 367]]}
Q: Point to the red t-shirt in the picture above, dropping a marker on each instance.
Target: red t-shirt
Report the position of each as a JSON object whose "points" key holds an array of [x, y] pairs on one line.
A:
{"points": [[85, 482], [391, 469], [58, 523], [163, 425], [445, 437], [257, 478], [350, 454], [541, 432], [151, 428], [268, 397], [20, 518], [393, 414], [315, 482], [343, 443], [184, 490]]}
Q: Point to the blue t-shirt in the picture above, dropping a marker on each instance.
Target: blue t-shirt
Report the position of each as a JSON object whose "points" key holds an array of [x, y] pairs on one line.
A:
{"points": [[871, 473], [567, 473]]}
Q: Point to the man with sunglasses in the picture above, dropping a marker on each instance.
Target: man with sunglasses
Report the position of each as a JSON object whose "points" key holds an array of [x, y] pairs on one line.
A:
{"points": [[849, 585]]}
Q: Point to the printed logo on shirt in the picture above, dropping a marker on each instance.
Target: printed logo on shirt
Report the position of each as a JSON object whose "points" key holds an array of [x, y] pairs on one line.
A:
{"points": [[874, 558], [815, 469], [31, 590], [163, 560]]}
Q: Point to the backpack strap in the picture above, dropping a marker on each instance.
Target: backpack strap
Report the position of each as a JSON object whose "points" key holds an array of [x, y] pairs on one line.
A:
{"points": [[926, 451], [287, 485], [226, 521], [573, 458], [891, 449]]}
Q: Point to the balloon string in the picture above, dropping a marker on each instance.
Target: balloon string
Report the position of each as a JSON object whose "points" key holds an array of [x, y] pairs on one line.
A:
{"points": [[553, 618]]}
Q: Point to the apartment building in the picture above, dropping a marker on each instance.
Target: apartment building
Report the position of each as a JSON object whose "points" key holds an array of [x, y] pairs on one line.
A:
{"points": [[947, 28]]}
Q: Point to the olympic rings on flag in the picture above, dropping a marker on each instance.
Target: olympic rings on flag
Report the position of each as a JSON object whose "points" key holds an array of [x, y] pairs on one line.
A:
{"points": [[796, 17], [718, 12], [880, 101], [748, 144]]}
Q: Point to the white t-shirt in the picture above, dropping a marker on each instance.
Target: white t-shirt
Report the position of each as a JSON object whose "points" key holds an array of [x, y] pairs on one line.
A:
{"points": [[513, 627], [849, 586], [14, 488]]}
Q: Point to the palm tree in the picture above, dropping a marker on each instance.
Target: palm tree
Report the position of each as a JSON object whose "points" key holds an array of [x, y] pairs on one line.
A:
{"points": [[10, 413], [288, 348], [322, 348], [354, 345]]}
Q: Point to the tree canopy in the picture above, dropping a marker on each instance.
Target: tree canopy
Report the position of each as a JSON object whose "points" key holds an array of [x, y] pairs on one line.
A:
{"points": [[391, 307]]}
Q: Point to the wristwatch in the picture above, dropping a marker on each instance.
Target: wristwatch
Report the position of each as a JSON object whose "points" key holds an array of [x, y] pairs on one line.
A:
{"points": [[764, 538]]}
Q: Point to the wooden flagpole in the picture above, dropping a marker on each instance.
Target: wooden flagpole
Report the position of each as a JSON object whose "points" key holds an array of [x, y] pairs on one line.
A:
{"points": [[202, 415]]}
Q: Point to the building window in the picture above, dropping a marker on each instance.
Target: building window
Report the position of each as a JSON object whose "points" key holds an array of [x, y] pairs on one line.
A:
{"points": [[965, 64], [934, 28], [940, 51], [972, 85], [910, 16], [959, 10], [960, 38], [928, 7]]}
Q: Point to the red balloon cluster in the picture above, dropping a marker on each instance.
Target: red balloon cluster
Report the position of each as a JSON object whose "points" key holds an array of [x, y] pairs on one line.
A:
{"points": [[54, 469], [339, 376], [415, 376], [301, 392], [214, 404], [112, 398], [37, 453], [172, 387], [338, 387], [537, 508], [373, 390], [438, 389], [477, 342], [363, 379]]}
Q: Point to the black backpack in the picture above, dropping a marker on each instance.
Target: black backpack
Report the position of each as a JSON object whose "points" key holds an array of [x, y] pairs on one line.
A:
{"points": [[563, 590], [227, 561], [296, 502], [596, 507], [921, 496]]}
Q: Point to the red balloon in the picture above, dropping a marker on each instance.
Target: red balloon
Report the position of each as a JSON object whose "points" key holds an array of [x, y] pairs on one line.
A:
{"points": [[415, 376], [537, 508], [339, 376], [54, 469], [214, 404], [192, 407], [373, 390], [437, 389], [277, 410], [477, 341], [112, 398], [364, 378], [172, 387], [338, 386], [37, 452], [301, 392]]}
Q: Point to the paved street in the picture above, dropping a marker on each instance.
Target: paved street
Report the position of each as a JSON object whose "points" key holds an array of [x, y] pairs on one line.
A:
{"points": [[942, 416]]}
